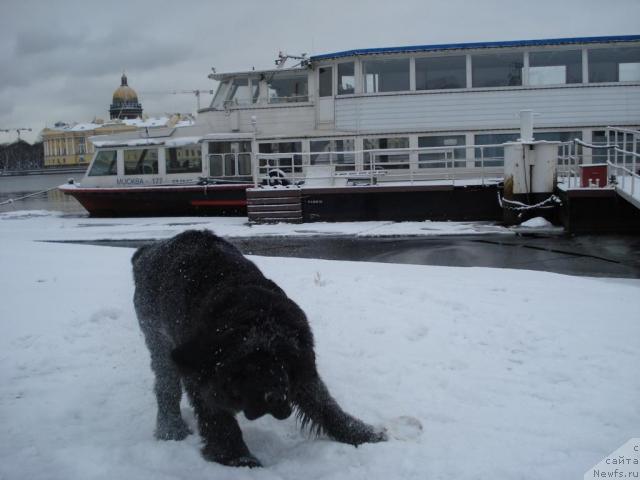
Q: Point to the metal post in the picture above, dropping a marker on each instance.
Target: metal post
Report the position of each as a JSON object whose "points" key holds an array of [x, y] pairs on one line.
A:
{"points": [[624, 173], [411, 168], [482, 164], [608, 136], [634, 149]]}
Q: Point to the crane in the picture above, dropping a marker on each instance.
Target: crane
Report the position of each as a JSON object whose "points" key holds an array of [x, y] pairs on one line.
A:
{"points": [[17, 130]]}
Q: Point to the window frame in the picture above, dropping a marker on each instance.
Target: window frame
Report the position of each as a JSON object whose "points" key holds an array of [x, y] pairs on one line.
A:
{"points": [[113, 164], [124, 161], [419, 58], [170, 171], [398, 59], [590, 73], [297, 99]]}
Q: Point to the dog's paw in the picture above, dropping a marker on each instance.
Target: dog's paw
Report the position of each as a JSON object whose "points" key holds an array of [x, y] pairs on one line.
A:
{"points": [[359, 433], [214, 454], [246, 461], [371, 435], [172, 430], [378, 436]]}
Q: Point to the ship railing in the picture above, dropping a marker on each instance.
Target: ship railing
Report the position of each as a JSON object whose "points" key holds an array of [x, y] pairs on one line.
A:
{"points": [[569, 161], [621, 153], [623, 158], [373, 166]]}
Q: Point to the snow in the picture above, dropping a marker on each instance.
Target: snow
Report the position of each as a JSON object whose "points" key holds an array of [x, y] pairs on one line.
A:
{"points": [[129, 143], [629, 187], [148, 122], [182, 141], [537, 222], [44, 225], [512, 374]]}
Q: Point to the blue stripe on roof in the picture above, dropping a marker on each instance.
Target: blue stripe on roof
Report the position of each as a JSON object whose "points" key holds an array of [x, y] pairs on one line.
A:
{"points": [[459, 46]]}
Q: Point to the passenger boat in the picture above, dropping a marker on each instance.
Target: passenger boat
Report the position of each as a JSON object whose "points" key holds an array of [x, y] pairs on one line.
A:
{"points": [[162, 173], [413, 132]]}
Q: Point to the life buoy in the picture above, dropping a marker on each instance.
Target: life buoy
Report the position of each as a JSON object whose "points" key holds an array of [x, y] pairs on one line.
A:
{"points": [[277, 177]]}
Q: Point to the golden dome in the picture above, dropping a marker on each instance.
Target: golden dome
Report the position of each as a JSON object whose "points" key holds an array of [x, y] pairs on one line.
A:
{"points": [[124, 93]]}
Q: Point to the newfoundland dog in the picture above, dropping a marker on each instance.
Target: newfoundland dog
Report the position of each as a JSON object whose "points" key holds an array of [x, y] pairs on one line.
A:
{"points": [[236, 342]]}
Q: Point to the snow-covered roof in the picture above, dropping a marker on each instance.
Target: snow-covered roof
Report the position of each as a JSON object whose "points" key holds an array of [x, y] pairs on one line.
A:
{"points": [[147, 122], [80, 127]]}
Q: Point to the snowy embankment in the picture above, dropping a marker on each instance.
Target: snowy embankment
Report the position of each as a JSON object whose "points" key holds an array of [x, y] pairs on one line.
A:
{"points": [[42, 224], [513, 374]]}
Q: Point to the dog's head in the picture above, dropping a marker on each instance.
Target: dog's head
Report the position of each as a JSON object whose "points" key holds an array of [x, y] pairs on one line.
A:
{"points": [[259, 383], [256, 383]]}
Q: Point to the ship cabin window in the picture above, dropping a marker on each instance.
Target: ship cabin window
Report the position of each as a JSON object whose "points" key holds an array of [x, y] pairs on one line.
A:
{"points": [[141, 161], [325, 77], [229, 159], [433, 73], [448, 151], [375, 160], [243, 91], [623, 142], [291, 159], [104, 164], [555, 67], [386, 75], [336, 152], [497, 69], [346, 78], [185, 159], [599, 137], [620, 64], [492, 156], [221, 95], [288, 88]]}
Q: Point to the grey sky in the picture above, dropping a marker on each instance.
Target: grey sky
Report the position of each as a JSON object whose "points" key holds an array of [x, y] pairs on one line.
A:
{"points": [[62, 60]]}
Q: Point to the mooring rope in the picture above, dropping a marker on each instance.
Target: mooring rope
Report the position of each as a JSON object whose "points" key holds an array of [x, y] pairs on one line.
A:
{"points": [[515, 205], [11, 200]]}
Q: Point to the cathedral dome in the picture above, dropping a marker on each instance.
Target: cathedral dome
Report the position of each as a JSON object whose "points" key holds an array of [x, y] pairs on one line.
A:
{"points": [[124, 93], [125, 102]]}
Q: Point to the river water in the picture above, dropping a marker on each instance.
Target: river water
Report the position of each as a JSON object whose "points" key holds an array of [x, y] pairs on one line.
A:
{"points": [[601, 255], [16, 187]]}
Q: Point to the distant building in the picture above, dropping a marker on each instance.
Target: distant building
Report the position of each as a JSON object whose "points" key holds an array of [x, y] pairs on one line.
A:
{"points": [[125, 102], [70, 144]]}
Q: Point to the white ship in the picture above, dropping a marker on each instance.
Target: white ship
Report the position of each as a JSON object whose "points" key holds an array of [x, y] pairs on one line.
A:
{"points": [[395, 119]]}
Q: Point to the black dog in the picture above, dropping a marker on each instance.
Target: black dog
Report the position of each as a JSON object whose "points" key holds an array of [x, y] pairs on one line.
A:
{"points": [[237, 343]]}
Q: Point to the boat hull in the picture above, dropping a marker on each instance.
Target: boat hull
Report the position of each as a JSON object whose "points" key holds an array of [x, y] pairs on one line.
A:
{"points": [[214, 200]]}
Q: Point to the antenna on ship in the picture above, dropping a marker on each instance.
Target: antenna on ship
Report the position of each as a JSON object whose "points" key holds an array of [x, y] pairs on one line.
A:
{"points": [[283, 57]]}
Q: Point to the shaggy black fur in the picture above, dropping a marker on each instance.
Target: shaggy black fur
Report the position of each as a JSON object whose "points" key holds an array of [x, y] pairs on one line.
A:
{"points": [[234, 339]]}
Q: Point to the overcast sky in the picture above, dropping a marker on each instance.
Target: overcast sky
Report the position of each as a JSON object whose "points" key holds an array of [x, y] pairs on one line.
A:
{"points": [[61, 60]]}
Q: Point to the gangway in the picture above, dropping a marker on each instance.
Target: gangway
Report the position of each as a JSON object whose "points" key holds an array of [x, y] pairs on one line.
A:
{"points": [[601, 195], [624, 161], [622, 164]]}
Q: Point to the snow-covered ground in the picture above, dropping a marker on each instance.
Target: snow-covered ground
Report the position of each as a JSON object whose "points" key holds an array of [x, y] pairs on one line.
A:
{"points": [[43, 224], [512, 374]]}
